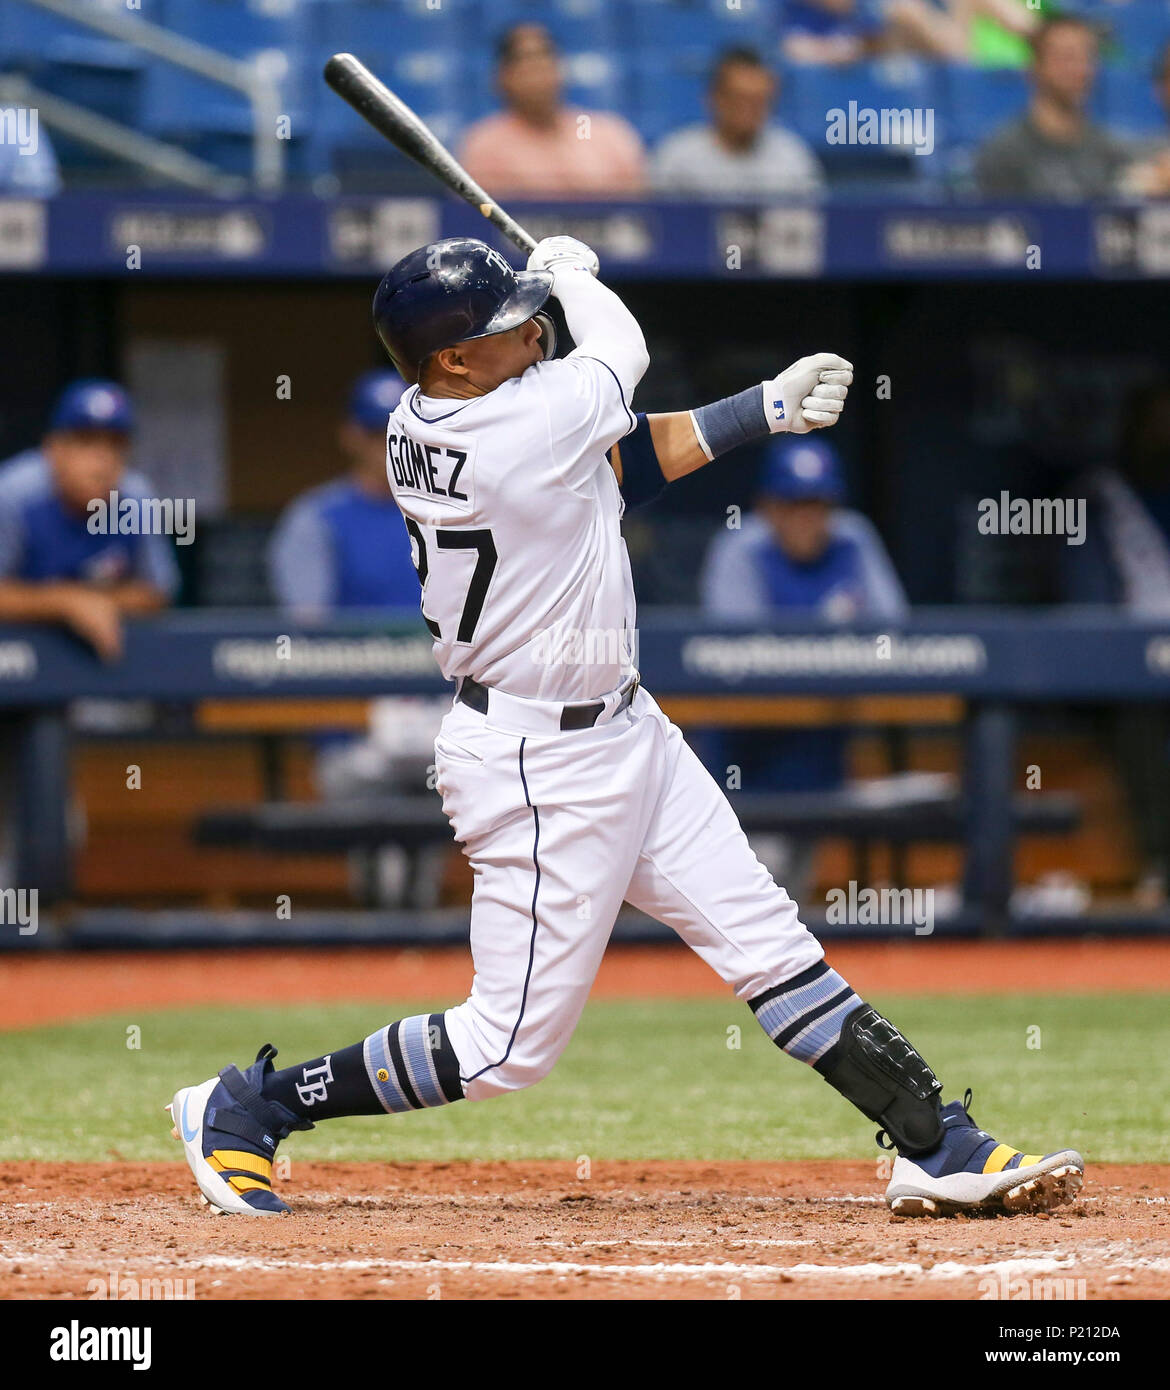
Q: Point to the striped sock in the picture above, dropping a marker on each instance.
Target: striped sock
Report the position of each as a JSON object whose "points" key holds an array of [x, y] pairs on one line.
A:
{"points": [[411, 1064], [804, 1015], [406, 1066]]}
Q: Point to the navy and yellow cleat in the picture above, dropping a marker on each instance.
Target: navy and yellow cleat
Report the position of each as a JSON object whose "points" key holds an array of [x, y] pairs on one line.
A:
{"points": [[230, 1133], [970, 1171]]}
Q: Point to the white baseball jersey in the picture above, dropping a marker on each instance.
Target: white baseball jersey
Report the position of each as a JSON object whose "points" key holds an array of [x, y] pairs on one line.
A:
{"points": [[514, 517]]}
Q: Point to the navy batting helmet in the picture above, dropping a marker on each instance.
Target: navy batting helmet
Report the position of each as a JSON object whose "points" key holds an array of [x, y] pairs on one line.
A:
{"points": [[450, 291]]}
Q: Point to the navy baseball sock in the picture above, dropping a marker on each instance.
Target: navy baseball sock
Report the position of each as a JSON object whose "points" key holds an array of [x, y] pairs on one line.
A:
{"points": [[406, 1066], [804, 1015]]}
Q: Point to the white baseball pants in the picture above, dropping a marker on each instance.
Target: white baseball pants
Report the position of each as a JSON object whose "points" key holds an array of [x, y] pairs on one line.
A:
{"points": [[560, 828]]}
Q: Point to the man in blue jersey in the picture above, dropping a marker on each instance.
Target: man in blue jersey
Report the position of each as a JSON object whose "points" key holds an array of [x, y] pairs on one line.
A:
{"points": [[799, 550], [344, 544], [60, 558]]}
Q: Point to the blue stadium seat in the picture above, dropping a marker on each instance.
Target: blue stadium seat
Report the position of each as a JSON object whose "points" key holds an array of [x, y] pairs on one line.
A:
{"points": [[28, 34], [99, 74], [669, 92], [176, 102], [980, 100], [1139, 30], [31, 39], [1129, 102], [809, 94], [576, 25], [418, 53], [702, 26], [382, 26]]}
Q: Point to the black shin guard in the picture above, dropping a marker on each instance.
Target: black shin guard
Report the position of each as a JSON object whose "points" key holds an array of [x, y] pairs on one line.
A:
{"points": [[875, 1068]]}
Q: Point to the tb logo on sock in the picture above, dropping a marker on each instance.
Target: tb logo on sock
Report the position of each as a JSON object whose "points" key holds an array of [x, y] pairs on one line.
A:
{"points": [[317, 1081]]}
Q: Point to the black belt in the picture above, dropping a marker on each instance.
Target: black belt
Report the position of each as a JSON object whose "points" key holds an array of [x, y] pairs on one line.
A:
{"points": [[584, 716]]}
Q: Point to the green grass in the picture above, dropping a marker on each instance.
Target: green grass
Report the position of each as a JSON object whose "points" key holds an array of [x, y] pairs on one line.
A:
{"points": [[641, 1079]]}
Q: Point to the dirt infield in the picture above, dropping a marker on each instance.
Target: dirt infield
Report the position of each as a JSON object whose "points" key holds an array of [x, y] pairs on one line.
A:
{"points": [[52, 987], [537, 1230]]}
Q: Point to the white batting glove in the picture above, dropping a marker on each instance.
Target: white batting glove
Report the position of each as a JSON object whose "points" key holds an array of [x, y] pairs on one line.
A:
{"points": [[559, 252], [808, 395]]}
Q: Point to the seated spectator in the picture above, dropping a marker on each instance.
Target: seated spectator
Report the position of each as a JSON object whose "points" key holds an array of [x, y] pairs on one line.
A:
{"points": [[344, 544], [28, 163], [799, 550], [1149, 175], [829, 33], [740, 153], [988, 33], [539, 147], [56, 565], [1054, 151]]}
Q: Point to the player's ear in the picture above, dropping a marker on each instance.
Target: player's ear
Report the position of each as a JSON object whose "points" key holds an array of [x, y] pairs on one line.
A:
{"points": [[451, 359]]}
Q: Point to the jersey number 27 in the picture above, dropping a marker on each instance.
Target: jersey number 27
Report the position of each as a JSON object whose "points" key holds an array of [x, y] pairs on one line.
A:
{"points": [[481, 576]]}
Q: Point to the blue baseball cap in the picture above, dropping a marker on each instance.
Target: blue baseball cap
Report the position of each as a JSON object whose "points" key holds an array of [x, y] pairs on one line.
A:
{"points": [[798, 470], [374, 396], [93, 404]]}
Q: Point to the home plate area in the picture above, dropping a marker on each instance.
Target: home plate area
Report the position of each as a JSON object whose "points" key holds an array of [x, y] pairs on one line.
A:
{"points": [[537, 1230]]}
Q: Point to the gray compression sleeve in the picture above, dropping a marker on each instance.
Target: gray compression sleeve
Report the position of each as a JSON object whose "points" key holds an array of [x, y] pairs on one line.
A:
{"points": [[733, 421]]}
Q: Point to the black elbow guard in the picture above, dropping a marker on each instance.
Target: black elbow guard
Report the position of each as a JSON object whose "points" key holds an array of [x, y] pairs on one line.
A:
{"points": [[642, 479], [875, 1068]]}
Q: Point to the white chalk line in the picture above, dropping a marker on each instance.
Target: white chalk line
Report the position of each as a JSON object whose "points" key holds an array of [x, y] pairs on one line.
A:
{"points": [[732, 1243], [706, 1269], [943, 1270]]}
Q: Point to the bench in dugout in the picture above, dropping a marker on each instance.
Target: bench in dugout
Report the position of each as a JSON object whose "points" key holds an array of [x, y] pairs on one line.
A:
{"points": [[892, 811]]}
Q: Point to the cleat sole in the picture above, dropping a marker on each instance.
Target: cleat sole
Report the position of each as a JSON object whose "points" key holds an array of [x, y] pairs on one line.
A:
{"points": [[1043, 1191]]}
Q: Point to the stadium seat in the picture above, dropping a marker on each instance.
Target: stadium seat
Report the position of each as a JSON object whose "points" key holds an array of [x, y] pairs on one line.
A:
{"points": [[669, 92], [701, 26], [576, 25], [100, 74], [980, 100], [176, 102], [1138, 29], [32, 39], [809, 94], [416, 52], [1129, 102], [79, 65]]}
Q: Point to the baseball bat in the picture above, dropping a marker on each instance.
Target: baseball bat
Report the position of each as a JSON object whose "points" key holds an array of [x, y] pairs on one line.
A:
{"points": [[390, 116]]}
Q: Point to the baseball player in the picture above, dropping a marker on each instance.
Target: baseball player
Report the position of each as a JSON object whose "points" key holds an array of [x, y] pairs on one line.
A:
{"points": [[568, 788]]}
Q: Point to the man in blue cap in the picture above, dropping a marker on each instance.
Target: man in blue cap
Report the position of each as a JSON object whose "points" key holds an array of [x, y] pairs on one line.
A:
{"points": [[344, 544], [800, 548], [62, 559]]}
